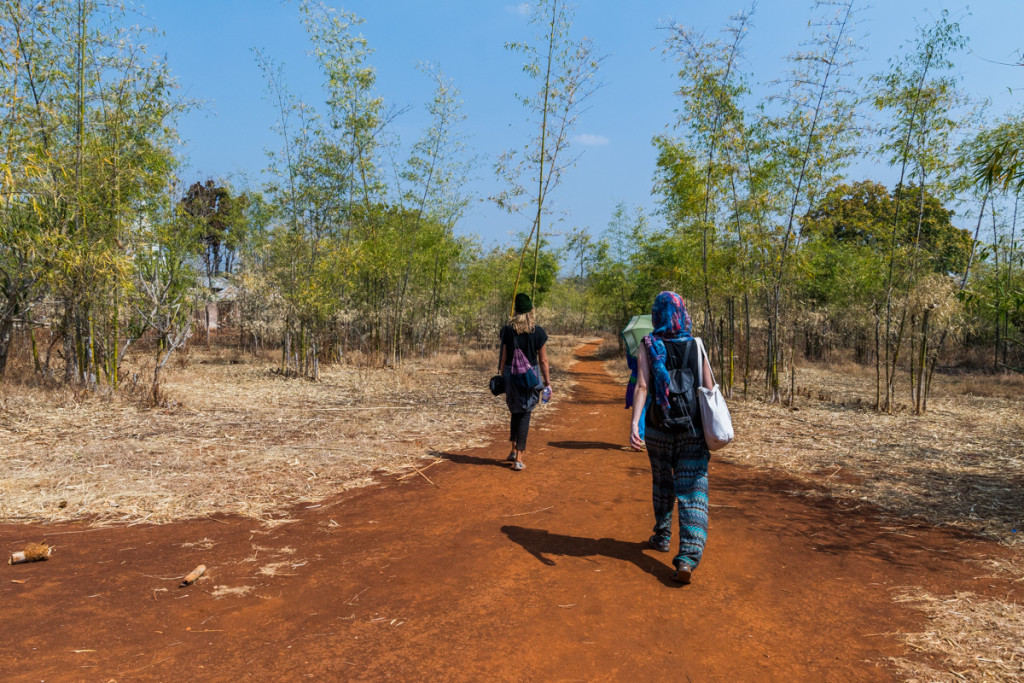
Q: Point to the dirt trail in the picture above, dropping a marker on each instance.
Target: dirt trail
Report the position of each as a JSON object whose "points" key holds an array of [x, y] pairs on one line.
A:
{"points": [[486, 574]]}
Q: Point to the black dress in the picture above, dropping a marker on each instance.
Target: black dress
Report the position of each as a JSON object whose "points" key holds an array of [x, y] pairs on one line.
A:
{"points": [[530, 343]]}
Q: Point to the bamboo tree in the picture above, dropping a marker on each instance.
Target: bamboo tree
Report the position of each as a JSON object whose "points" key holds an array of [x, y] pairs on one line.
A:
{"points": [[919, 93], [94, 138], [814, 144], [995, 162], [166, 286], [711, 118], [566, 71], [436, 174]]}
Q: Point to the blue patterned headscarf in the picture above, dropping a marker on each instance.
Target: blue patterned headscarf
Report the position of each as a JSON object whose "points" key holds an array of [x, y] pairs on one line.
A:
{"points": [[671, 321]]}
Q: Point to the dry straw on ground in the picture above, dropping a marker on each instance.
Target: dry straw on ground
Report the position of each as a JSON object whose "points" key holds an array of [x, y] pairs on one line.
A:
{"points": [[975, 638], [961, 464], [239, 438]]}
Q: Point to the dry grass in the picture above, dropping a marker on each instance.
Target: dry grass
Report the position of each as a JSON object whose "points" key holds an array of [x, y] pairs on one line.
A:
{"points": [[231, 591], [961, 464], [976, 638], [239, 438]]}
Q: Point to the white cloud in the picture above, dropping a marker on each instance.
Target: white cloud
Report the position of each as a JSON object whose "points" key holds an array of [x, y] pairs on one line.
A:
{"points": [[522, 9], [590, 140]]}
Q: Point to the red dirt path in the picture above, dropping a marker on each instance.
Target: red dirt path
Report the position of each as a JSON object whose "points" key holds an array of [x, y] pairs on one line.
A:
{"points": [[489, 575]]}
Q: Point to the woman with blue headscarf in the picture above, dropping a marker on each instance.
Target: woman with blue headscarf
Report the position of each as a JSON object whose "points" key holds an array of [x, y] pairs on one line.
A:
{"points": [[669, 367]]}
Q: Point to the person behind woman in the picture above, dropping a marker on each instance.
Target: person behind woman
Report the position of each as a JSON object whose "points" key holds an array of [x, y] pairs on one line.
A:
{"points": [[524, 334], [631, 362], [679, 459]]}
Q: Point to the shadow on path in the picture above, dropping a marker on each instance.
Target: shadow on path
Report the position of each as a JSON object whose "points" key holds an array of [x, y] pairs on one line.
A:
{"points": [[540, 543], [586, 445], [463, 459]]}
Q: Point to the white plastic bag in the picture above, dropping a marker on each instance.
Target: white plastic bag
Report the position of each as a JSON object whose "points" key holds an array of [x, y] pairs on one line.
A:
{"points": [[713, 411]]}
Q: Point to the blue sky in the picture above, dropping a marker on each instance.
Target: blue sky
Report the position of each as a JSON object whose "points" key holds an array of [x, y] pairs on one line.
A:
{"points": [[208, 44]]}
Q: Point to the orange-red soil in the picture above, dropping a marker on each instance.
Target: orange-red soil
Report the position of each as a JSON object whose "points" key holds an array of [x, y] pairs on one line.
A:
{"points": [[488, 574]]}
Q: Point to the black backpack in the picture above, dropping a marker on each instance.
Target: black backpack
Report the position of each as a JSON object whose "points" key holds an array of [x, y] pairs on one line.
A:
{"points": [[683, 415]]}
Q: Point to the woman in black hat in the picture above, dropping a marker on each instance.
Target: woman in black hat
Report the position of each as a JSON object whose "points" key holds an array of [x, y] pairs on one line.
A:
{"points": [[522, 334]]}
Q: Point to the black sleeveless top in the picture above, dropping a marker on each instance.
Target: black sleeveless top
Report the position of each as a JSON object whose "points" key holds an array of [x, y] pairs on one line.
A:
{"points": [[529, 343]]}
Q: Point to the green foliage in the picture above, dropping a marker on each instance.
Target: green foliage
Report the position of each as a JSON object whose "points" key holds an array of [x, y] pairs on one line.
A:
{"points": [[355, 256], [87, 138], [565, 70], [999, 159], [861, 215], [352, 241]]}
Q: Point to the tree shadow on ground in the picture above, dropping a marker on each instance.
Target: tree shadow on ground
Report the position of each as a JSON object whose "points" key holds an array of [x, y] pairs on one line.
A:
{"points": [[991, 503], [586, 445], [834, 525], [541, 543], [462, 459]]}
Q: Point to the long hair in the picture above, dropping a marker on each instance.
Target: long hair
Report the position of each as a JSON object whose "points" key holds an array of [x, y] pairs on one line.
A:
{"points": [[523, 323]]}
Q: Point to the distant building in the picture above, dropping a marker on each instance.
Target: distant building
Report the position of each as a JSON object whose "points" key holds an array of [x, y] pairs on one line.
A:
{"points": [[220, 308]]}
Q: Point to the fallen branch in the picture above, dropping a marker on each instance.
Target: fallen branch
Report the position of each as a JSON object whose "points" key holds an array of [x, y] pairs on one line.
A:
{"points": [[520, 514], [1010, 367], [404, 476], [419, 472], [837, 470], [193, 575], [342, 410]]}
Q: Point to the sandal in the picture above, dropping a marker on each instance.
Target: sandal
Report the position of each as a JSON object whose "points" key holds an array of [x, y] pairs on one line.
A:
{"points": [[518, 466]]}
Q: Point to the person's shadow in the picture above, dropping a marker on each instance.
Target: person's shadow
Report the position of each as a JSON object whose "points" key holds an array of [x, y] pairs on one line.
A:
{"points": [[541, 543], [463, 459], [587, 445]]}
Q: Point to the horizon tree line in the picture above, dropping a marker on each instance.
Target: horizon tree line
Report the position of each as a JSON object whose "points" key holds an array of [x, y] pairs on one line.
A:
{"points": [[351, 243]]}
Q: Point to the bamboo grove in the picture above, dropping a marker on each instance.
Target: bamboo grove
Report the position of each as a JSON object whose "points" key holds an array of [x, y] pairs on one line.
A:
{"points": [[783, 256], [352, 240]]}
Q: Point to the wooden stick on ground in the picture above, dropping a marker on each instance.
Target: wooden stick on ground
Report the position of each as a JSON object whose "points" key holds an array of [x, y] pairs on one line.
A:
{"points": [[193, 575], [532, 512], [425, 477], [420, 471]]}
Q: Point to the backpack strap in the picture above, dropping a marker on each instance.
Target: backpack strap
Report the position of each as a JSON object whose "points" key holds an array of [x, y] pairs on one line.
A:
{"points": [[515, 344], [690, 349]]}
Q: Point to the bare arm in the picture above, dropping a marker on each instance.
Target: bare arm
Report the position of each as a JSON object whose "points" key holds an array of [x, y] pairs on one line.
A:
{"points": [[501, 359], [639, 396], [709, 380], [545, 373]]}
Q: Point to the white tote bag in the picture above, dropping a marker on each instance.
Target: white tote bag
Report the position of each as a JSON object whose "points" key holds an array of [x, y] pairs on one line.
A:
{"points": [[713, 411]]}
